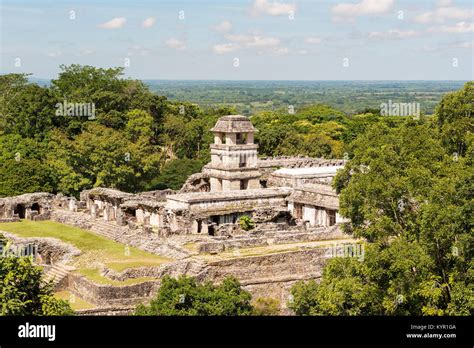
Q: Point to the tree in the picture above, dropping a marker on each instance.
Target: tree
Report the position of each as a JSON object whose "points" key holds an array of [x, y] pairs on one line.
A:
{"points": [[185, 297], [246, 223], [29, 111], [22, 292], [412, 200], [139, 124], [266, 306], [22, 166], [454, 115], [174, 174], [102, 156]]}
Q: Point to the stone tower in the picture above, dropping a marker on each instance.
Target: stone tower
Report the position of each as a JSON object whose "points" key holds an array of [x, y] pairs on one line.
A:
{"points": [[233, 155]]}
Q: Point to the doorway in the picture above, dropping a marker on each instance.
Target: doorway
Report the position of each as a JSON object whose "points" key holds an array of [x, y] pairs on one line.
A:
{"points": [[20, 210]]}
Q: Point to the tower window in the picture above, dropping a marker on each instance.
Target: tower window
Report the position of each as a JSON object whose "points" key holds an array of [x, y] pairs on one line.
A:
{"points": [[241, 138], [331, 217]]}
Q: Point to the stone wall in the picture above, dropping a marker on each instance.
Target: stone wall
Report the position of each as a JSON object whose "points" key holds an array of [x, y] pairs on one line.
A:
{"points": [[52, 250], [276, 237], [104, 295], [268, 268]]}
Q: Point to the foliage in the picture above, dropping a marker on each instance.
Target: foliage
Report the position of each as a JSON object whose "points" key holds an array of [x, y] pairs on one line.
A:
{"points": [[266, 306], [351, 97], [246, 223], [135, 134], [412, 200], [21, 291], [174, 174], [185, 297], [454, 117]]}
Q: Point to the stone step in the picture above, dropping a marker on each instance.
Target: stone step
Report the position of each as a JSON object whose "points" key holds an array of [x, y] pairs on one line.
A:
{"points": [[56, 274]]}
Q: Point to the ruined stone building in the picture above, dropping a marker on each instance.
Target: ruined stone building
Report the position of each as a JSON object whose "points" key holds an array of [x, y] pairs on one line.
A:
{"points": [[289, 199], [281, 191]]}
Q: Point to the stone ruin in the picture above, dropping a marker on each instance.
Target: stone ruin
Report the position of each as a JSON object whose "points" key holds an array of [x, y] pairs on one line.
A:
{"points": [[289, 200]]}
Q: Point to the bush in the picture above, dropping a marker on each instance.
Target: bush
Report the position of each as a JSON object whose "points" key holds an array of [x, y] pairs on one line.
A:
{"points": [[246, 223], [184, 296], [266, 306]]}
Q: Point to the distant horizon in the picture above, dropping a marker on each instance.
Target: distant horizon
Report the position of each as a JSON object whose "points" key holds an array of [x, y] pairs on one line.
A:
{"points": [[262, 80]]}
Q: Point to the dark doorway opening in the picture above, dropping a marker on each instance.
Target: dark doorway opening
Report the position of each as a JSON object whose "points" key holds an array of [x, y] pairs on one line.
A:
{"points": [[211, 230], [199, 226], [36, 207], [131, 212], [20, 210], [215, 219]]}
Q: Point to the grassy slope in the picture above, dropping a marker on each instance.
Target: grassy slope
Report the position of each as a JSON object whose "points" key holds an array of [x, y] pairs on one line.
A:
{"points": [[95, 249], [76, 302]]}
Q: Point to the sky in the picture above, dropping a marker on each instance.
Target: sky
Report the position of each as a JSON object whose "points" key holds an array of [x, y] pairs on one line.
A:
{"points": [[243, 39]]}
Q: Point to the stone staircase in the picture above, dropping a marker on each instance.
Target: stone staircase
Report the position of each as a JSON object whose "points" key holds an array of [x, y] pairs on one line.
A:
{"points": [[121, 234], [56, 274], [106, 229]]}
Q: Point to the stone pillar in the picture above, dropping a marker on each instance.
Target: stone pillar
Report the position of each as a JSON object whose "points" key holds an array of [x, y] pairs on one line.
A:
{"points": [[72, 205], [140, 216], [249, 138], [205, 227], [119, 217], [28, 214], [94, 209], [194, 226], [230, 139]]}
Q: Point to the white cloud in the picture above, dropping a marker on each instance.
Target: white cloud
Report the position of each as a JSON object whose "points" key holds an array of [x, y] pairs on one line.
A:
{"points": [[363, 8], [55, 54], [114, 23], [444, 3], [85, 52], [302, 52], [138, 50], [282, 51], [275, 51], [222, 27], [443, 14], [393, 34], [467, 44], [253, 40], [265, 7], [459, 28], [312, 40], [176, 44], [149, 22], [225, 48]]}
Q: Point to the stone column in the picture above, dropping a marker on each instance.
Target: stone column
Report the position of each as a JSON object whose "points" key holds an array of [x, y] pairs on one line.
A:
{"points": [[94, 209], [72, 205], [28, 214], [119, 217]]}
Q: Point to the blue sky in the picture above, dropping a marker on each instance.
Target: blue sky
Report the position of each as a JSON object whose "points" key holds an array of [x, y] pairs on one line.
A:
{"points": [[268, 40]]}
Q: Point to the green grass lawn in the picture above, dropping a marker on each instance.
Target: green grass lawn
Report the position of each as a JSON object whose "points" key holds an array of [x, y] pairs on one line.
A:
{"points": [[95, 248], [273, 249], [93, 274], [76, 302]]}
